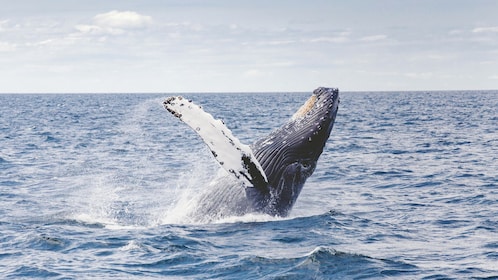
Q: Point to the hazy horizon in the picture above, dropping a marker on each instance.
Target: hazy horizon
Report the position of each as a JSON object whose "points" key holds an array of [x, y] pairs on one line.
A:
{"points": [[253, 92]]}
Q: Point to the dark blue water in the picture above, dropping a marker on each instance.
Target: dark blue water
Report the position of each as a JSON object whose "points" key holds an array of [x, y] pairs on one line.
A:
{"points": [[97, 186]]}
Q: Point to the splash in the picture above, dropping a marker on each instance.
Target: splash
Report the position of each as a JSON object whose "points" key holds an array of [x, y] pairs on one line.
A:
{"points": [[248, 218], [162, 186], [120, 190]]}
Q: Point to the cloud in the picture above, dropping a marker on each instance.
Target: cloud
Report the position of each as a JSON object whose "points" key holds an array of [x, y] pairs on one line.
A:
{"points": [[95, 29], [89, 29], [253, 73], [489, 29], [3, 24], [456, 32], [115, 23], [279, 42], [373, 38], [7, 47], [333, 37], [122, 20], [339, 39]]}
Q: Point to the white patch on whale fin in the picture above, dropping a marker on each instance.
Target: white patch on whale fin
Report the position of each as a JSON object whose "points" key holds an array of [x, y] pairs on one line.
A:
{"points": [[233, 156]]}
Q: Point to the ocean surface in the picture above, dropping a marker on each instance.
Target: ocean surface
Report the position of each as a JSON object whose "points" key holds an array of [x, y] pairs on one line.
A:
{"points": [[97, 187]]}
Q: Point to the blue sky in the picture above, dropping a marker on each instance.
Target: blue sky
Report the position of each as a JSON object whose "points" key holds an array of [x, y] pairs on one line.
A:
{"points": [[212, 46]]}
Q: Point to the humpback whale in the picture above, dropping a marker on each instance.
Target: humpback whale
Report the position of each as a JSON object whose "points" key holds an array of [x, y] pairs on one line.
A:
{"points": [[268, 176]]}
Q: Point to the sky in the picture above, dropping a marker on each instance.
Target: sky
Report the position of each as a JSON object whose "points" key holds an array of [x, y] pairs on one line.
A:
{"points": [[162, 46]]}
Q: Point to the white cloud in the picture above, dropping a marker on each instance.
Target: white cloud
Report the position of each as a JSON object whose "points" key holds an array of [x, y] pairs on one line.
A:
{"points": [[373, 38], [98, 30], [277, 42], [336, 37], [7, 47], [89, 29], [186, 25], [42, 43], [489, 29], [456, 32], [122, 20], [339, 39], [114, 23], [3, 24], [253, 73]]}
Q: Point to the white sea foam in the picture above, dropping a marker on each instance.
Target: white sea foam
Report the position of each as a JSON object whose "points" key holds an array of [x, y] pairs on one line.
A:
{"points": [[248, 218]]}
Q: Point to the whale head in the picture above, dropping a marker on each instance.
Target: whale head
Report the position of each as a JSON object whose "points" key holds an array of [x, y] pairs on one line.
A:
{"points": [[289, 154]]}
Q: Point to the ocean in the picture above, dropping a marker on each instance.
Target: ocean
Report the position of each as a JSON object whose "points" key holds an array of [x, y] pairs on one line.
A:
{"points": [[96, 186]]}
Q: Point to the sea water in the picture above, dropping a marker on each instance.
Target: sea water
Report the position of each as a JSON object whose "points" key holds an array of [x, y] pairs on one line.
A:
{"points": [[98, 186]]}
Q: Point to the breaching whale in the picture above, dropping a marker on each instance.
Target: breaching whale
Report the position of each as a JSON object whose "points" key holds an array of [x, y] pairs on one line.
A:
{"points": [[267, 176]]}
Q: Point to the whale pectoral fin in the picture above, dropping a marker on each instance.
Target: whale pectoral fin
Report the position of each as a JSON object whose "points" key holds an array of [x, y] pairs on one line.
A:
{"points": [[233, 156]]}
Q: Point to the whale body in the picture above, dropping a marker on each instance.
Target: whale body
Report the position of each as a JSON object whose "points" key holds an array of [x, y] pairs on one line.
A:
{"points": [[267, 176]]}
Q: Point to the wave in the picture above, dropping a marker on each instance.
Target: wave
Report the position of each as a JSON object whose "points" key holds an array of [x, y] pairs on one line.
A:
{"points": [[327, 261], [320, 263]]}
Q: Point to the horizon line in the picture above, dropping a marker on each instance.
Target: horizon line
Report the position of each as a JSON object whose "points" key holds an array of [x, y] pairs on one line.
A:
{"points": [[244, 92]]}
